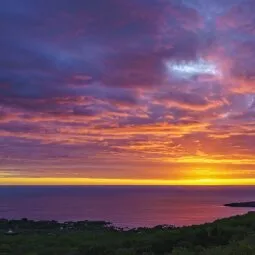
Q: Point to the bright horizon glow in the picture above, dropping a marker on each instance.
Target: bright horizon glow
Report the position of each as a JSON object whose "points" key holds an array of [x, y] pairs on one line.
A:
{"points": [[47, 181]]}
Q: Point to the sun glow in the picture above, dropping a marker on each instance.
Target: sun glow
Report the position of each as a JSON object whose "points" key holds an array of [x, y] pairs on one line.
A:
{"points": [[91, 181], [204, 173]]}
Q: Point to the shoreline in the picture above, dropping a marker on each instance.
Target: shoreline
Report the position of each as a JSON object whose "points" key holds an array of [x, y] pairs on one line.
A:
{"points": [[30, 224], [226, 236], [249, 204]]}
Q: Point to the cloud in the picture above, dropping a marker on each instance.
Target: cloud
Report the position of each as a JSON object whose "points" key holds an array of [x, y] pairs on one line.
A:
{"points": [[190, 101]]}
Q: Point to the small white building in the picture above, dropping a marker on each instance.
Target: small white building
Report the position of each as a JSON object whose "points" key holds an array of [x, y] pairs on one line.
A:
{"points": [[10, 232]]}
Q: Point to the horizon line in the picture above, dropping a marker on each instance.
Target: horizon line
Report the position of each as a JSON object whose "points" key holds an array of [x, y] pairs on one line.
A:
{"points": [[65, 181]]}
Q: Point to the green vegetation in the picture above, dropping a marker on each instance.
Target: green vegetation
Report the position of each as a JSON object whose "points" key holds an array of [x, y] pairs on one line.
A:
{"points": [[232, 236]]}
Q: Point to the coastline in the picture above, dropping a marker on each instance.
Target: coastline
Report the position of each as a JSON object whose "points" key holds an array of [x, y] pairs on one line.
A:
{"points": [[227, 236], [249, 204]]}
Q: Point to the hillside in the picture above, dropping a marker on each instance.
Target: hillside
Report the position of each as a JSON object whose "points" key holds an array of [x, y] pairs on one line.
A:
{"points": [[233, 235]]}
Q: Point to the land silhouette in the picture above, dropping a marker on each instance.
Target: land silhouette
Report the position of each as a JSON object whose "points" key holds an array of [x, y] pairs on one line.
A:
{"points": [[228, 236]]}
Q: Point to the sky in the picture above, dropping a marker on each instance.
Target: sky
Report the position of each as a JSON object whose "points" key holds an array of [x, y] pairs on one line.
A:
{"points": [[122, 92]]}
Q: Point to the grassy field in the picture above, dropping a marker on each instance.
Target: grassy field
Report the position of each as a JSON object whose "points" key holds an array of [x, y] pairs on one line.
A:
{"points": [[235, 235]]}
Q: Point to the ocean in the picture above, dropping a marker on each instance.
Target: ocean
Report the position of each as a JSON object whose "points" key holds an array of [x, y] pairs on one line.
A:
{"points": [[125, 206]]}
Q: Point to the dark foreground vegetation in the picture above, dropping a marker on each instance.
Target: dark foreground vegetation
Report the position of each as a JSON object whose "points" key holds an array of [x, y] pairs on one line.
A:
{"points": [[234, 235]]}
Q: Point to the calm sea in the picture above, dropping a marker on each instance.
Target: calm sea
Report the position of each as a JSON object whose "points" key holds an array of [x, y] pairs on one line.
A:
{"points": [[124, 206]]}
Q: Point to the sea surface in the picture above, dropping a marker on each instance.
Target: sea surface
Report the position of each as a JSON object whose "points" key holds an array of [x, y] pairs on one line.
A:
{"points": [[124, 206]]}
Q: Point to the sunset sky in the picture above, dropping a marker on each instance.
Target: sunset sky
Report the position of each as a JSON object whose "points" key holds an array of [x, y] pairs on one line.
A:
{"points": [[127, 92]]}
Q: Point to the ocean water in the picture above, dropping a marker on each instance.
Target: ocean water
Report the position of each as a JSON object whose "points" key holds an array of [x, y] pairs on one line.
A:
{"points": [[124, 206]]}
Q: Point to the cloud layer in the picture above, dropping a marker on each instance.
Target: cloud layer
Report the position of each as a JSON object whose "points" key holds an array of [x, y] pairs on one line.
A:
{"points": [[86, 90]]}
